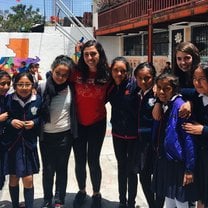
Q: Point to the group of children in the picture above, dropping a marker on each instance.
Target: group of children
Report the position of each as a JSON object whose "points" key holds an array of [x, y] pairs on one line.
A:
{"points": [[170, 146], [169, 149]]}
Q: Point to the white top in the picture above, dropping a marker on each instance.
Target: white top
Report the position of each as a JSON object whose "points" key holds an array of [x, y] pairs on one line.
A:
{"points": [[60, 112]]}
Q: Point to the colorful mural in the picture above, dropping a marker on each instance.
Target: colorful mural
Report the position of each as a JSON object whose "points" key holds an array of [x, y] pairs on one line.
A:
{"points": [[20, 47]]}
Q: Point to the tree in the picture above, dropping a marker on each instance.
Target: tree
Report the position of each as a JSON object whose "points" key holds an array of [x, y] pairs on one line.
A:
{"points": [[21, 19], [105, 4]]}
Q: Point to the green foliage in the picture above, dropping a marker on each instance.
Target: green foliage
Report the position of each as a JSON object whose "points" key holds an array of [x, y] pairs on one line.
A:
{"points": [[21, 19]]}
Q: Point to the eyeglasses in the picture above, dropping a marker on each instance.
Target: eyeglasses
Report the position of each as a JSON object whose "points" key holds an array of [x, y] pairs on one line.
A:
{"points": [[92, 54], [65, 76], [22, 85], [5, 83], [122, 71]]}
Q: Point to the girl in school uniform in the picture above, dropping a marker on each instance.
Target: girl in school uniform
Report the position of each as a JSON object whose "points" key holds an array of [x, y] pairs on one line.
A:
{"points": [[145, 74], [199, 128], [20, 140], [123, 99], [5, 81], [175, 159]]}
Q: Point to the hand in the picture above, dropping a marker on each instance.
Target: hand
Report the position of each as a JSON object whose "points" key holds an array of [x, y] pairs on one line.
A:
{"points": [[193, 128], [157, 112], [17, 124], [28, 124], [34, 91], [188, 178], [3, 117], [185, 110]]}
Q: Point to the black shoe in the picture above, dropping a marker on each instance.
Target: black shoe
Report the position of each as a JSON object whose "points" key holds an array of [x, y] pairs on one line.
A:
{"points": [[79, 199], [22, 205], [96, 201], [46, 204]]}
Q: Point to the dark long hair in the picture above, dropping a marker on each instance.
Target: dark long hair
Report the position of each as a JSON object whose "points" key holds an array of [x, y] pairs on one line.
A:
{"points": [[102, 75]]}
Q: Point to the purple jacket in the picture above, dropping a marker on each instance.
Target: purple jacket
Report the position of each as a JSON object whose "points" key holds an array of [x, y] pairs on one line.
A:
{"points": [[178, 145]]}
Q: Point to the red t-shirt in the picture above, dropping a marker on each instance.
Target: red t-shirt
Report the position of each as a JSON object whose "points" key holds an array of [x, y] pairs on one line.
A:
{"points": [[90, 99]]}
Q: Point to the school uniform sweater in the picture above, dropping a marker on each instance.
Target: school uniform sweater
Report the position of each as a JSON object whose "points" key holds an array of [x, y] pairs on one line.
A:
{"points": [[124, 113]]}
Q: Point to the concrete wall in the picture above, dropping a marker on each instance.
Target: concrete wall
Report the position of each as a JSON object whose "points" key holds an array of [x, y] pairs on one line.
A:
{"points": [[112, 46], [159, 61], [45, 46]]}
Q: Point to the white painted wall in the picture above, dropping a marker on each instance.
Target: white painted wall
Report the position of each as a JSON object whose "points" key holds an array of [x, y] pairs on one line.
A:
{"points": [[45, 45], [111, 45]]}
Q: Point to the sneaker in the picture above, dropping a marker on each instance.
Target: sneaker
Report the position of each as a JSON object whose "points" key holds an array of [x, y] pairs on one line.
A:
{"points": [[46, 204], [79, 199], [96, 201], [58, 204]]}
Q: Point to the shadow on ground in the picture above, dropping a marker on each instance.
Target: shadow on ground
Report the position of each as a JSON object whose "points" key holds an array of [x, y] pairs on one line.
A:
{"points": [[68, 202]]}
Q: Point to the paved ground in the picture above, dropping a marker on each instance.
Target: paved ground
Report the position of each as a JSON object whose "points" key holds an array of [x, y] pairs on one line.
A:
{"points": [[108, 187]]}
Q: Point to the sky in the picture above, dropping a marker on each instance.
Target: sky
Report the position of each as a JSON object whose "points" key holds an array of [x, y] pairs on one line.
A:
{"points": [[78, 7]]}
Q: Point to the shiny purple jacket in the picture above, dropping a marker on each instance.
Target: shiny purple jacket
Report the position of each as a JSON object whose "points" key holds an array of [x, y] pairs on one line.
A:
{"points": [[177, 144]]}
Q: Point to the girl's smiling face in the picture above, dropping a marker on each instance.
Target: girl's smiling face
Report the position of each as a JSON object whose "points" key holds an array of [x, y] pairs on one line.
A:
{"points": [[91, 57], [24, 87], [184, 61], [200, 81], [144, 79], [119, 72], [164, 90], [5, 82], [60, 74]]}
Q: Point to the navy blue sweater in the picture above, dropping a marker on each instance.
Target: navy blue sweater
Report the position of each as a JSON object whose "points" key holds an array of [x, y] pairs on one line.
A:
{"points": [[124, 113], [29, 112], [200, 114], [145, 119]]}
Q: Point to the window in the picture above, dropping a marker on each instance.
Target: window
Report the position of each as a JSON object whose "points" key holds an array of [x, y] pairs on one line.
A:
{"points": [[160, 44], [200, 38], [135, 46]]}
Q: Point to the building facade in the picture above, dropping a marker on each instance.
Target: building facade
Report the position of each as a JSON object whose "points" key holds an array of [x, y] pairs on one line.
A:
{"points": [[150, 29]]}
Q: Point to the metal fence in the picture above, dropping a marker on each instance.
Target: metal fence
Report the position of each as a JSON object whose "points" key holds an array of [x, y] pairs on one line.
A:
{"points": [[135, 9], [47, 7]]}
